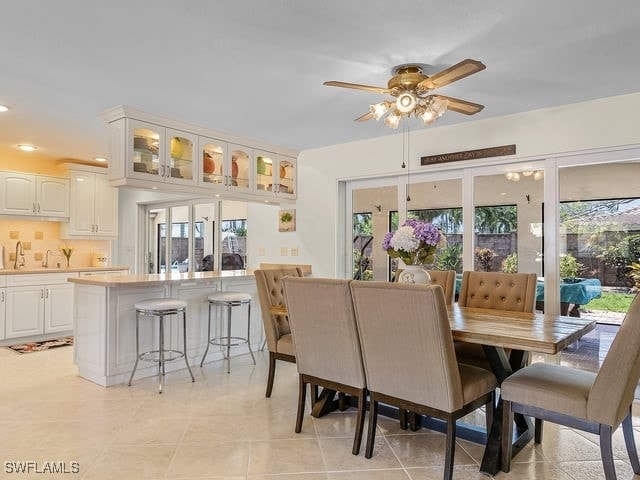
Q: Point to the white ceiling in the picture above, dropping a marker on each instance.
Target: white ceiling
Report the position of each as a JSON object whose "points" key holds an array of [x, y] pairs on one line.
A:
{"points": [[255, 68]]}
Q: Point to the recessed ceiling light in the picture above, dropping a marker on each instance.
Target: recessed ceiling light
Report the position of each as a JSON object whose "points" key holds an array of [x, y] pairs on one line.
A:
{"points": [[27, 148], [100, 159], [3, 108]]}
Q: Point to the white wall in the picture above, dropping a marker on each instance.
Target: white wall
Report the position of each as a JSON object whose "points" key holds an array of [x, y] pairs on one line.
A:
{"points": [[600, 123]]}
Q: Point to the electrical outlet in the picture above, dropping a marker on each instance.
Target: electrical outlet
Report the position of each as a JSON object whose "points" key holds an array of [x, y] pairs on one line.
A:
{"points": [[38, 235], [284, 251], [37, 256], [294, 251], [26, 245], [261, 252], [12, 257], [14, 235]]}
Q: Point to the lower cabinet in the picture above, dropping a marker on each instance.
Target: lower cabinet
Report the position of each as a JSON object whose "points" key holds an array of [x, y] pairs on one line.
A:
{"points": [[38, 306]]}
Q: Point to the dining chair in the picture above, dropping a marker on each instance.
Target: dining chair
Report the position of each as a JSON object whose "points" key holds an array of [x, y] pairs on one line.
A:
{"points": [[326, 340], [515, 292], [595, 403], [445, 278], [417, 372], [276, 327]]}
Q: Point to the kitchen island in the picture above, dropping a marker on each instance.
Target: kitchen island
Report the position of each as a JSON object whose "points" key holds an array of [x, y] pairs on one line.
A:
{"points": [[104, 320]]}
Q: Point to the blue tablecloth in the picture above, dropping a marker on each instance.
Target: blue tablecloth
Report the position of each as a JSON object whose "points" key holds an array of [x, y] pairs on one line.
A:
{"points": [[580, 292]]}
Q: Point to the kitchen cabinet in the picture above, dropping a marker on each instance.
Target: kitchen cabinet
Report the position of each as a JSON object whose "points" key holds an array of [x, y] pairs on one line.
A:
{"points": [[224, 166], [94, 205], [160, 154], [34, 195], [149, 151], [276, 174], [38, 304]]}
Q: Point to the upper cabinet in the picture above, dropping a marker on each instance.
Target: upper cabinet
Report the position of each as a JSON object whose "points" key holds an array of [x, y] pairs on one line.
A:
{"points": [[153, 152], [276, 174], [34, 195], [94, 205]]}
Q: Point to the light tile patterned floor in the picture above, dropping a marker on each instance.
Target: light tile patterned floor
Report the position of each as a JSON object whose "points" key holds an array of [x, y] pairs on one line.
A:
{"points": [[222, 427]]}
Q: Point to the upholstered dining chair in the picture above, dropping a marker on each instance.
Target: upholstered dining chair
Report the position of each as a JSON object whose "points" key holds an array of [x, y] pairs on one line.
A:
{"points": [[326, 340], [515, 292], [445, 278], [596, 403], [276, 327], [417, 372]]}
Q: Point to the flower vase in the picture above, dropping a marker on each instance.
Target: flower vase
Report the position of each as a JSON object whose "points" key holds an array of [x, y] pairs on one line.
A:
{"points": [[68, 259], [414, 274]]}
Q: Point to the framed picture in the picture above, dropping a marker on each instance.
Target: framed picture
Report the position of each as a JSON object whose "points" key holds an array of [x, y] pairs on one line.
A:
{"points": [[287, 221]]}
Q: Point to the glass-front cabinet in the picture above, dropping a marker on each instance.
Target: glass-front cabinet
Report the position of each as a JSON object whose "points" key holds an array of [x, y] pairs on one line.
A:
{"points": [[275, 173], [239, 176], [213, 162], [161, 154]]}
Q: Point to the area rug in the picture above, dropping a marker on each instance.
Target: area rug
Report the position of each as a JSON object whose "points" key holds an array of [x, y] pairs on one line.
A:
{"points": [[40, 346]]}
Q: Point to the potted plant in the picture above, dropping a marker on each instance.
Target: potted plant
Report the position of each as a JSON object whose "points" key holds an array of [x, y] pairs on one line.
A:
{"points": [[570, 268]]}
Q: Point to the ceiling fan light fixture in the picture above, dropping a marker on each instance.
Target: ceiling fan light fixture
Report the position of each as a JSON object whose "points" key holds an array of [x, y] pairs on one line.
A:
{"points": [[379, 109], [392, 120], [428, 116], [538, 175], [439, 106], [406, 102]]}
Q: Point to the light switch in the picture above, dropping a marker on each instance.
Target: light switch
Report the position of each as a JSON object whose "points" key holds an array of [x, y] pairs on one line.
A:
{"points": [[12, 257], [38, 235], [14, 235], [284, 251], [26, 245], [37, 256], [294, 251]]}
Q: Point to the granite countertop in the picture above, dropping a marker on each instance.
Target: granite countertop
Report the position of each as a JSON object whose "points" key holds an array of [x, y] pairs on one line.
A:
{"points": [[23, 271], [160, 278]]}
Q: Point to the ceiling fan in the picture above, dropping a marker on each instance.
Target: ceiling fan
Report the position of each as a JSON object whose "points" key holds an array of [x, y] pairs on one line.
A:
{"points": [[412, 89]]}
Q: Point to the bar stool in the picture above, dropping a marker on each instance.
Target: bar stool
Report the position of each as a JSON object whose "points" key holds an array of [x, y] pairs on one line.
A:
{"points": [[161, 307], [229, 300]]}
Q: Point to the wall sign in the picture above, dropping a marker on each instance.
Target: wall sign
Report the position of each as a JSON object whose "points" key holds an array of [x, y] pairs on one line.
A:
{"points": [[469, 155]]}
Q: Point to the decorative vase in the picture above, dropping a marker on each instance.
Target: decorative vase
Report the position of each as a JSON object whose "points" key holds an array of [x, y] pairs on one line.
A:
{"points": [[67, 259], [414, 274]]}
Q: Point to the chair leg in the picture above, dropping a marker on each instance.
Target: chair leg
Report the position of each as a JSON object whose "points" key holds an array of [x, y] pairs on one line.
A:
{"points": [[489, 411], [373, 421], [302, 395], [342, 401], [507, 435], [414, 421], [402, 416], [314, 394], [450, 448], [606, 452], [272, 374], [629, 441], [206, 350], [362, 406], [538, 430]]}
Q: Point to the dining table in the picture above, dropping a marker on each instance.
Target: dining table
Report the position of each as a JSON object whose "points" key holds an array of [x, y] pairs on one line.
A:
{"points": [[507, 338]]}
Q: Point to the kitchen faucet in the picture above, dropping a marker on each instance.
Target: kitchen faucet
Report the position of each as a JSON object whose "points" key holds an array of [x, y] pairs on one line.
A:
{"points": [[19, 261], [45, 264]]}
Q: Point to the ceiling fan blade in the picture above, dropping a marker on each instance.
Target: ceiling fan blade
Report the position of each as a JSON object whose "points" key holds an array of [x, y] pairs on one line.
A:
{"points": [[357, 86], [461, 106], [449, 75], [364, 118]]}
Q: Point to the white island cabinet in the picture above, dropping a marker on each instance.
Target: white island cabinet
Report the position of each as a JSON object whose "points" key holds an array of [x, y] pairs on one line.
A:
{"points": [[104, 320]]}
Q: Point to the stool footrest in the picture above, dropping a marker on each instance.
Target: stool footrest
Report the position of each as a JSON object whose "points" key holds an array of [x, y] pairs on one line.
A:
{"points": [[224, 342], [154, 355]]}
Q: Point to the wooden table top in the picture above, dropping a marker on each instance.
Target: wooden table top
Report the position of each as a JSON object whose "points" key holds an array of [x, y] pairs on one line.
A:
{"points": [[535, 332]]}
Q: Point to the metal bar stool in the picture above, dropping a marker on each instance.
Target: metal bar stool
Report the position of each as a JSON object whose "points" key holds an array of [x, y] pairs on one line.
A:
{"points": [[229, 300], [161, 307]]}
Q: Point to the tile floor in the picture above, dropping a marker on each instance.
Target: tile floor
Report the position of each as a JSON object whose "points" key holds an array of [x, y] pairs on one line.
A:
{"points": [[222, 427]]}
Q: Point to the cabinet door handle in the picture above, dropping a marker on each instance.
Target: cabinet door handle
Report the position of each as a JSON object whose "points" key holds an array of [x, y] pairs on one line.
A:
{"points": [[47, 293], [38, 207], [2, 300], [96, 230], [42, 293], [34, 208]]}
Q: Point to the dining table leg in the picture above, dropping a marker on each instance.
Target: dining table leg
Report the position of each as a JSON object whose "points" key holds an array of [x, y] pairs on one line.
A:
{"points": [[503, 366]]}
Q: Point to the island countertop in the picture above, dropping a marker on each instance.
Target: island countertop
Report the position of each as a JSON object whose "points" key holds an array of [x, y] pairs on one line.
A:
{"points": [[159, 278]]}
